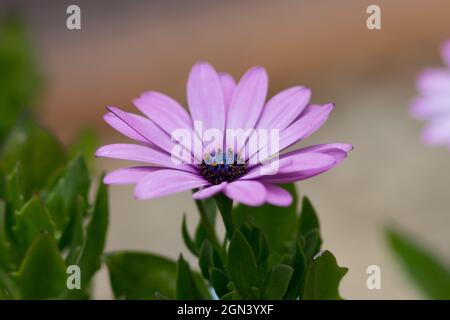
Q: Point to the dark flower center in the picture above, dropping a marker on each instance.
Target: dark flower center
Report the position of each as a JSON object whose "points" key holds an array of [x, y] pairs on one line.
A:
{"points": [[219, 167]]}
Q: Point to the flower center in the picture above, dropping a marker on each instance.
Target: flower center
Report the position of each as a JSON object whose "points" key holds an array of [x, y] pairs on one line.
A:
{"points": [[218, 167]]}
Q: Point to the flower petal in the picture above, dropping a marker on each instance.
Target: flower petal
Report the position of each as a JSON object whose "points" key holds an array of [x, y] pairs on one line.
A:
{"points": [[123, 128], [336, 150], [129, 175], [228, 86], [146, 128], [309, 122], [428, 106], [282, 109], [434, 81], [437, 132], [296, 162], [248, 99], [209, 191], [146, 154], [164, 111], [205, 98], [445, 52], [174, 181], [277, 195], [251, 193]]}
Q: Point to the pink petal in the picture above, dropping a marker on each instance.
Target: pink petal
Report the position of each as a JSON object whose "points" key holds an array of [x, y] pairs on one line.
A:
{"points": [[146, 128], [429, 106], [336, 150], [434, 81], [164, 111], [437, 132], [129, 175], [309, 122], [228, 87], [164, 182], [209, 191], [277, 196], [205, 98], [146, 154], [282, 109], [123, 128], [299, 163], [248, 99], [251, 193], [445, 52]]}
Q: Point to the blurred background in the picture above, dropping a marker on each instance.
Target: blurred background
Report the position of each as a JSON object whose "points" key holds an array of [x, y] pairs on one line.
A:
{"points": [[127, 47]]}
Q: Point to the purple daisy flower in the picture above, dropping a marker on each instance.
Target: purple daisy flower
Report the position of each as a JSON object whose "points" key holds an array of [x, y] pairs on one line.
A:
{"points": [[241, 169], [433, 103]]}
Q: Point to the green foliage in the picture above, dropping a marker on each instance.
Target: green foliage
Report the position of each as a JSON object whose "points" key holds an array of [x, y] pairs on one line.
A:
{"points": [[139, 275], [19, 79], [429, 274]]}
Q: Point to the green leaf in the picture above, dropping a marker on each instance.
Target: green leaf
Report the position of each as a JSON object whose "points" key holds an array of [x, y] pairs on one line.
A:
{"points": [[36, 150], [257, 241], [42, 274], [5, 262], [76, 233], [219, 281], [90, 258], [61, 201], [8, 287], [312, 243], [299, 264], [190, 244], [14, 194], [187, 287], [426, 271], [278, 223], [139, 275], [30, 222], [308, 219], [241, 264], [278, 282], [206, 258], [323, 278], [19, 79], [208, 213]]}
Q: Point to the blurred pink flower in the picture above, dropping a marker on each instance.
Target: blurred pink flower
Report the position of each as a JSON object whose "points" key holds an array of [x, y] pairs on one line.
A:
{"points": [[217, 102], [433, 103]]}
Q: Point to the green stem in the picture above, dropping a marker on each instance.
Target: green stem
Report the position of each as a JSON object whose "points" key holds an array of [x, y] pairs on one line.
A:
{"points": [[205, 221], [225, 205]]}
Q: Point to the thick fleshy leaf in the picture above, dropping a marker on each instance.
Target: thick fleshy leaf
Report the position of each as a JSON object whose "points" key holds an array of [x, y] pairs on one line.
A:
{"points": [[248, 99], [90, 257], [323, 278], [75, 232], [308, 219], [150, 187], [37, 151], [219, 281], [42, 274], [30, 222], [299, 264], [429, 274], [206, 258], [206, 99], [130, 175], [74, 181], [241, 264], [139, 275], [251, 193], [279, 228], [189, 286], [277, 282], [282, 109]]}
